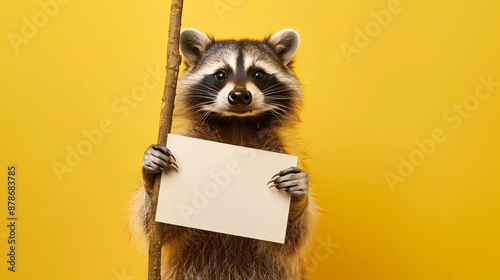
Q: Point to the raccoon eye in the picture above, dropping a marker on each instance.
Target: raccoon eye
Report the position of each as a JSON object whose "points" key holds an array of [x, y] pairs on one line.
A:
{"points": [[220, 75], [259, 75]]}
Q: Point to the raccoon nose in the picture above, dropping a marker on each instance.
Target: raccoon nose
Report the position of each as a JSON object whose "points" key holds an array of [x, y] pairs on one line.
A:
{"points": [[239, 97]]}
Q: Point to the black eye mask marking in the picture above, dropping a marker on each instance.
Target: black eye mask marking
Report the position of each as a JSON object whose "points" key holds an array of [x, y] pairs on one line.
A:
{"points": [[205, 91], [275, 93]]}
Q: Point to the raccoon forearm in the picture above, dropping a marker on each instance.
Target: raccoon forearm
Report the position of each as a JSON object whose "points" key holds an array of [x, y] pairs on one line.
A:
{"points": [[168, 230], [148, 181], [297, 223], [298, 207]]}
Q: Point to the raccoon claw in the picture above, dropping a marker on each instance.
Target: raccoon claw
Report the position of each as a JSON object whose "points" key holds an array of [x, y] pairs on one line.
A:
{"points": [[158, 158], [293, 180], [174, 165], [272, 178], [162, 149]]}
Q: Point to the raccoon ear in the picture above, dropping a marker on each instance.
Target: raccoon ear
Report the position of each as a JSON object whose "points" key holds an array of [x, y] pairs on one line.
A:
{"points": [[193, 44], [284, 43]]}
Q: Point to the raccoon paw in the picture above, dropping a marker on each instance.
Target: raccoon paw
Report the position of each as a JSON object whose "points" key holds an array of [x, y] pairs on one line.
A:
{"points": [[158, 158], [293, 180]]}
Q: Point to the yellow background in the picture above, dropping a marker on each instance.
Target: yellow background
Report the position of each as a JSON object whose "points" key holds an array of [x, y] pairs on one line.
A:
{"points": [[361, 113]]}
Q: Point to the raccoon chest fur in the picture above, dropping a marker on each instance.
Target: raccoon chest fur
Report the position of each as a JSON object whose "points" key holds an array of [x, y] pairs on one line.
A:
{"points": [[208, 255], [249, 135]]}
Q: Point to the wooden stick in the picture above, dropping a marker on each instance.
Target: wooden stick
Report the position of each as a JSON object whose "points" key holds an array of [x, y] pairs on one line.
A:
{"points": [[167, 109]]}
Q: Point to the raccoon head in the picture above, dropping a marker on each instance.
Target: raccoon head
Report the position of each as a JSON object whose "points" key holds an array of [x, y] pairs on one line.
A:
{"points": [[239, 78]]}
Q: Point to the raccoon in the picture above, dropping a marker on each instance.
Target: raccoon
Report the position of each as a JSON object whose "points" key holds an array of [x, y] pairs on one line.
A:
{"points": [[242, 92]]}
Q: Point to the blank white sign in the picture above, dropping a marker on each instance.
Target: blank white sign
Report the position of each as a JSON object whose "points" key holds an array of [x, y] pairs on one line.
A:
{"points": [[223, 188]]}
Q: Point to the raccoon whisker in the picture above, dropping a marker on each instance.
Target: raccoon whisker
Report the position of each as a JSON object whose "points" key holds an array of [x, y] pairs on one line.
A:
{"points": [[273, 87], [281, 114], [279, 106], [273, 112], [204, 117], [254, 121], [270, 87], [199, 90], [278, 98], [193, 107], [200, 95], [277, 111], [199, 105], [276, 91], [233, 125], [209, 86], [206, 90], [274, 106], [245, 125]]}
